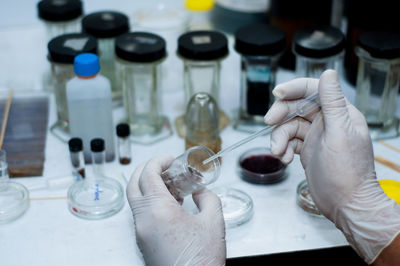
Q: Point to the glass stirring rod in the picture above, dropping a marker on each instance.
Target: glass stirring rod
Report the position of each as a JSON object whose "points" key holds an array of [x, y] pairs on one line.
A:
{"points": [[303, 108]]}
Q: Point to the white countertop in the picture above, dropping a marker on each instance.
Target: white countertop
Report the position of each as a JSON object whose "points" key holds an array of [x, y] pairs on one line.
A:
{"points": [[48, 234]]}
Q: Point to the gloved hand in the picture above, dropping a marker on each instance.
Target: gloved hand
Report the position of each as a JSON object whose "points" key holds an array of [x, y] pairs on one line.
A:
{"points": [[167, 234], [336, 153]]}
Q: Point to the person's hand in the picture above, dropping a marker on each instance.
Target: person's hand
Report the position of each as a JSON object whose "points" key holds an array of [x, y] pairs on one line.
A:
{"points": [[336, 152], [168, 235]]}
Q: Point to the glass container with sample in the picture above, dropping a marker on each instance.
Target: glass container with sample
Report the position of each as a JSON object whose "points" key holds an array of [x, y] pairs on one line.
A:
{"points": [[260, 47], [106, 26], [202, 119], [124, 144], [62, 51], [139, 55], [378, 82], [60, 16], [96, 196], [75, 146], [202, 53], [317, 49]]}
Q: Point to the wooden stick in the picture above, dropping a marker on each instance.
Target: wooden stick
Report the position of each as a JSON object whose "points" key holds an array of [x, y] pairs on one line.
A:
{"points": [[388, 163], [390, 146], [5, 117], [49, 198]]}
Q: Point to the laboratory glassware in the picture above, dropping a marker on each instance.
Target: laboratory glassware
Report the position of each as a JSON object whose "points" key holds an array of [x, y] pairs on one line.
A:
{"points": [[202, 120], [106, 26], [14, 197], [75, 146], [89, 105], [124, 144], [199, 12], [260, 47], [317, 49], [139, 55], [96, 196], [62, 51], [378, 82]]}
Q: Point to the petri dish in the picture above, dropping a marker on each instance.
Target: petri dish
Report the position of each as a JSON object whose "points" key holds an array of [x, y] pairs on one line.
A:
{"points": [[98, 199], [305, 201], [14, 201], [237, 206], [259, 166]]}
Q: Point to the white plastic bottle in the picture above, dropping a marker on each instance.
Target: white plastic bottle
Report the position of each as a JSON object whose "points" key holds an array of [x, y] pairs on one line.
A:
{"points": [[89, 105]]}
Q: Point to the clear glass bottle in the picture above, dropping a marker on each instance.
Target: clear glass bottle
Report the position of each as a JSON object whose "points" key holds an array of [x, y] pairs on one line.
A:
{"points": [[124, 143], [378, 82], [60, 16], [187, 173], [317, 49], [76, 155], [202, 53], [106, 26], [96, 196], [200, 11], [260, 47], [202, 120], [62, 51], [139, 55]]}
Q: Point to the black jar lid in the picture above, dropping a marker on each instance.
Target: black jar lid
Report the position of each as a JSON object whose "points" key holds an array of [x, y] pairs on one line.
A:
{"points": [[318, 42], [385, 45], [203, 45], [97, 145], [140, 47], [64, 48], [259, 39], [123, 130], [75, 145], [59, 10], [105, 24]]}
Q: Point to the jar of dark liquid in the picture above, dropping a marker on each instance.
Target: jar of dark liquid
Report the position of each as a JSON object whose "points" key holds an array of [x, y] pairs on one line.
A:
{"points": [[260, 47]]}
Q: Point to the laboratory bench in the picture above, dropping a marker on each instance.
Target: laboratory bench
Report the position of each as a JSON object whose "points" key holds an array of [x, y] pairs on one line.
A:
{"points": [[48, 234]]}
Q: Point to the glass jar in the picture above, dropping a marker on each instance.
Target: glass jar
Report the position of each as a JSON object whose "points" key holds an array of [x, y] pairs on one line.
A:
{"points": [[378, 82], [317, 49], [202, 53], [260, 47], [62, 51], [60, 16], [139, 55], [106, 26]]}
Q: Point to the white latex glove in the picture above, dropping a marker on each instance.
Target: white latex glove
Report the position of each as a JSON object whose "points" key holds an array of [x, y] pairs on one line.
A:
{"points": [[336, 153], [167, 234]]}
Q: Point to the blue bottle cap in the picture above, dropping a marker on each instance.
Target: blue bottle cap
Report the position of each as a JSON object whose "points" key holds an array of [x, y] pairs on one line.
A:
{"points": [[86, 65]]}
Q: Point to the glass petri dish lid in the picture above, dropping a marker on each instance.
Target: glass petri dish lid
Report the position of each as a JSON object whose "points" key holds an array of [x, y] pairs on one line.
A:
{"points": [[14, 201], [237, 206], [305, 201]]}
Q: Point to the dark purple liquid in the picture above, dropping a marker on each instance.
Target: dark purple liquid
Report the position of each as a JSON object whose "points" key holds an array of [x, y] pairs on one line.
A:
{"points": [[262, 164], [258, 99]]}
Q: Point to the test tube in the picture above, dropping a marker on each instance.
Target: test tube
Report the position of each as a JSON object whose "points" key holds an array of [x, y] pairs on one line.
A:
{"points": [[188, 174], [97, 147], [124, 145], [76, 155]]}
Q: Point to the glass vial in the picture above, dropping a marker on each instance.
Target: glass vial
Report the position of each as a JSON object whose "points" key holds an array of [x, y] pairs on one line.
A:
{"points": [[317, 49], [378, 82], [260, 47], [188, 174], [61, 53], [124, 144], [201, 121], [199, 12], [139, 56], [76, 155], [60, 16], [106, 26], [97, 146], [202, 53]]}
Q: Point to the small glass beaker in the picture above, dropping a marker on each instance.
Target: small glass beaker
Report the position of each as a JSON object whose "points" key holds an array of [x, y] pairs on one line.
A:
{"points": [[139, 56], [260, 47], [202, 53], [317, 49], [60, 16], [106, 26], [188, 174], [62, 51], [378, 82]]}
